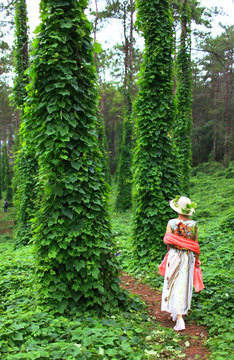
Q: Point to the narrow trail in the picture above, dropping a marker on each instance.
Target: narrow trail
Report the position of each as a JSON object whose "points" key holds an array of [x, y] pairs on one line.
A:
{"points": [[196, 334], [6, 230]]}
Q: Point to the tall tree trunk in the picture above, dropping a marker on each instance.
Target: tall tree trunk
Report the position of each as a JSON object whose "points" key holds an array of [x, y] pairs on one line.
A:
{"points": [[215, 117], [228, 121], [131, 46], [155, 164], [124, 175], [73, 236], [21, 53], [183, 120], [231, 114], [126, 49]]}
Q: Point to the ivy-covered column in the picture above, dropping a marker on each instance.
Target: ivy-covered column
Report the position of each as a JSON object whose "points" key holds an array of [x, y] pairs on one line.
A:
{"points": [[75, 260], [183, 120], [155, 166], [20, 53], [103, 145], [124, 180], [6, 175], [25, 169]]}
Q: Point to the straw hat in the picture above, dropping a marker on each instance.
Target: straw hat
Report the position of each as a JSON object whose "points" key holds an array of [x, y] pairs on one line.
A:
{"points": [[182, 205]]}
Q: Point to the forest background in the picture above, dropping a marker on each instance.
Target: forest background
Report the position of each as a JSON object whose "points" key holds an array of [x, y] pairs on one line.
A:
{"points": [[39, 319], [212, 135]]}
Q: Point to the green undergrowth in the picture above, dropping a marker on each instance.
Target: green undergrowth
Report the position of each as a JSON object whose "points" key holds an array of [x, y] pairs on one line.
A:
{"points": [[212, 187], [27, 331]]}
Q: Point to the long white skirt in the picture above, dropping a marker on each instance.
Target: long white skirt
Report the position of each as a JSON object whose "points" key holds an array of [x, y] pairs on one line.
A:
{"points": [[178, 282]]}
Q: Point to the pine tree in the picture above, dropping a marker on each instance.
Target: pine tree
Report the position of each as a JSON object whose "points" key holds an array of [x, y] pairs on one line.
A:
{"points": [[183, 120], [155, 166], [75, 261]]}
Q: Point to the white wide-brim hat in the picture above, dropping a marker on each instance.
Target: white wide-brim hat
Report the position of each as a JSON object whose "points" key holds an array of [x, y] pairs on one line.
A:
{"points": [[182, 205]]}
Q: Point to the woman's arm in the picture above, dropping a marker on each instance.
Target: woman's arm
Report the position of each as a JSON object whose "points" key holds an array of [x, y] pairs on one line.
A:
{"points": [[168, 230]]}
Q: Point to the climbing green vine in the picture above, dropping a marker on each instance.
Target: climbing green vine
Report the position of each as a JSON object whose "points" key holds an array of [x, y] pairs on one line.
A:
{"points": [[124, 189], [25, 169], [183, 119], [6, 174], [74, 249], [155, 165], [103, 145], [26, 193], [20, 53]]}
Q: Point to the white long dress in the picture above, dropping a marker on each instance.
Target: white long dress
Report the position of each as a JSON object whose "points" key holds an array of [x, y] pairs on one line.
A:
{"points": [[178, 281]]}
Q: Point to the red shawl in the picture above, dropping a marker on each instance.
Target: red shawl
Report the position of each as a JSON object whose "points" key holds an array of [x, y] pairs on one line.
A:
{"points": [[183, 243]]}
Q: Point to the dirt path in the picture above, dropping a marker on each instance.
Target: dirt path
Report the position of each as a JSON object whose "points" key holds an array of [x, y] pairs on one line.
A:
{"points": [[9, 228], [196, 334]]}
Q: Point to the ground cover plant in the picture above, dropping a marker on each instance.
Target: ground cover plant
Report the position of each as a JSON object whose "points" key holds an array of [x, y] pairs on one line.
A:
{"points": [[28, 331], [212, 187]]}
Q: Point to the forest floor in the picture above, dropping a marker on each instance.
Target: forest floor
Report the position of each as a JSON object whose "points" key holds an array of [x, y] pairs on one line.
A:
{"points": [[147, 334], [196, 334]]}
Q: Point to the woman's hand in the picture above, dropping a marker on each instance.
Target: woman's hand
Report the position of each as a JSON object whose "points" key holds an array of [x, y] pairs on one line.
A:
{"points": [[198, 263]]}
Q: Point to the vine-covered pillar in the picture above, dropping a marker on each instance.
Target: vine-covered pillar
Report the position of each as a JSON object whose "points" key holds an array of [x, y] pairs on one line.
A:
{"points": [[25, 169], [183, 119], [20, 53], [103, 145], [124, 172], [124, 179], [6, 174], [74, 249], [155, 166]]}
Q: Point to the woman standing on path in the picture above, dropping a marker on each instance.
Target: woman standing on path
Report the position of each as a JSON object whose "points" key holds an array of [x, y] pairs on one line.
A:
{"points": [[181, 265]]}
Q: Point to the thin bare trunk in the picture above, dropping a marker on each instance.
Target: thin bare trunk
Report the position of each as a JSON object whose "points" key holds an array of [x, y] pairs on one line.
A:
{"points": [[215, 117], [226, 114], [230, 109]]}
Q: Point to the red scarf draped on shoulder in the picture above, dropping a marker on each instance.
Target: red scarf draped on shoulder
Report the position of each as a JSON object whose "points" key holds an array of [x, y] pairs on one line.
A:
{"points": [[183, 243]]}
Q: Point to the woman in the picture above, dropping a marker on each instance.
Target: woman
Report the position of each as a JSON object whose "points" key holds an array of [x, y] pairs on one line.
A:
{"points": [[178, 265]]}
